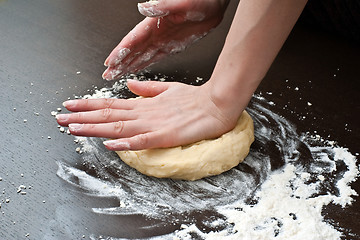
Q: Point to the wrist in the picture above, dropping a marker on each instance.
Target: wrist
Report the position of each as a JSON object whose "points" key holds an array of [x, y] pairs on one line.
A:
{"points": [[231, 99], [234, 80]]}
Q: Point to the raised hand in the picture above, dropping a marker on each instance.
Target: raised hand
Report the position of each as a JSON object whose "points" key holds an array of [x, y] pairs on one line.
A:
{"points": [[169, 27], [173, 114]]}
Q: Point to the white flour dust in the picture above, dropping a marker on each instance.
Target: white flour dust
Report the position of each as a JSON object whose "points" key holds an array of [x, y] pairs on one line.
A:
{"points": [[288, 205], [278, 192]]}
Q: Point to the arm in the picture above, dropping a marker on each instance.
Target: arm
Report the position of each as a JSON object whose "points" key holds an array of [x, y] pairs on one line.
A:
{"points": [[169, 27], [257, 33], [176, 114]]}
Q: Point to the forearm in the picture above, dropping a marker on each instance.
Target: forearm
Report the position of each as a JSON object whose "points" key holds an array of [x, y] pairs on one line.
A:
{"points": [[259, 29]]}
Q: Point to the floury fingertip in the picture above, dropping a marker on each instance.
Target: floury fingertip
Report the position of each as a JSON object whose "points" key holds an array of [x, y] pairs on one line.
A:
{"points": [[74, 127], [150, 9], [117, 145], [69, 103], [62, 117], [104, 74], [111, 74]]}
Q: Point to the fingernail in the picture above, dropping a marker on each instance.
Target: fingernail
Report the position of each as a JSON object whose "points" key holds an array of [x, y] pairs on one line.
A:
{"points": [[104, 74], [117, 145], [62, 117], [75, 127], [70, 103]]}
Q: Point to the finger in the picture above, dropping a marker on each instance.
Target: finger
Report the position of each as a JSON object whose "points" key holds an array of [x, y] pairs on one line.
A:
{"points": [[156, 58], [161, 52], [132, 62], [143, 58], [80, 105], [119, 129], [153, 8], [118, 55], [147, 88], [114, 72], [124, 49], [105, 115], [136, 64], [138, 142], [163, 8], [135, 41]]}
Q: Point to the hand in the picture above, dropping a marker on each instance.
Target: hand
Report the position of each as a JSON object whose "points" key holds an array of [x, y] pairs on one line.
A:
{"points": [[169, 27], [170, 114]]}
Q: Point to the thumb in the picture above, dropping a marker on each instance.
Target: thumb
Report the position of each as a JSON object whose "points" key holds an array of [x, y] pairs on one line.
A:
{"points": [[147, 88], [156, 8]]}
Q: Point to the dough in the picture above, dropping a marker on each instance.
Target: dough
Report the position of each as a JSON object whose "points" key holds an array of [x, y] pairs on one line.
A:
{"points": [[197, 160]]}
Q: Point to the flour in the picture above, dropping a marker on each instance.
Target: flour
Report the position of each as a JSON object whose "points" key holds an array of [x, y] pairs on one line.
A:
{"points": [[175, 46], [278, 192], [122, 53], [150, 9], [289, 205], [195, 16], [286, 209]]}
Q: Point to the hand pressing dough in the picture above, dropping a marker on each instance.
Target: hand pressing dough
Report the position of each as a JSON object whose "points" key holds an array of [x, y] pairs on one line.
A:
{"points": [[194, 161]]}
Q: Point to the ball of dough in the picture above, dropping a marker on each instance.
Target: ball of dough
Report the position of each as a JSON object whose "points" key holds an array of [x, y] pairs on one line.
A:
{"points": [[198, 160]]}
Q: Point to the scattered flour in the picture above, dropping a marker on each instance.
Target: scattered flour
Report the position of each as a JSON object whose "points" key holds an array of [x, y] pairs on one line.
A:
{"points": [[287, 207], [278, 192]]}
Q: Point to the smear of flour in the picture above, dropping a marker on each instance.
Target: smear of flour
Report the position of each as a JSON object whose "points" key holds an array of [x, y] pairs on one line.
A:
{"points": [[150, 9], [122, 53], [278, 192], [288, 204]]}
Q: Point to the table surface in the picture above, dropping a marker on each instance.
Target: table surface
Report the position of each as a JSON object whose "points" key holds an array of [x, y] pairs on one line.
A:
{"points": [[52, 50]]}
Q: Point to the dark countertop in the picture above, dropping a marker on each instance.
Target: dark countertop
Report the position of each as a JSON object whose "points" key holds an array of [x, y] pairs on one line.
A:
{"points": [[52, 50]]}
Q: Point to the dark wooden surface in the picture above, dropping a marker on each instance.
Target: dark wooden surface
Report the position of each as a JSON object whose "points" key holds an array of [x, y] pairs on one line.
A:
{"points": [[43, 46]]}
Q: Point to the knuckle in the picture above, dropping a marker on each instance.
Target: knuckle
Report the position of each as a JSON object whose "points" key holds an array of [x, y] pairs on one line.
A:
{"points": [[142, 140], [119, 127], [109, 102], [106, 113], [78, 116]]}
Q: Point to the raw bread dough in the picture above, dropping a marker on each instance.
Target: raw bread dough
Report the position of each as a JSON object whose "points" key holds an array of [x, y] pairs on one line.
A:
{"points": [[197, 160]]}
